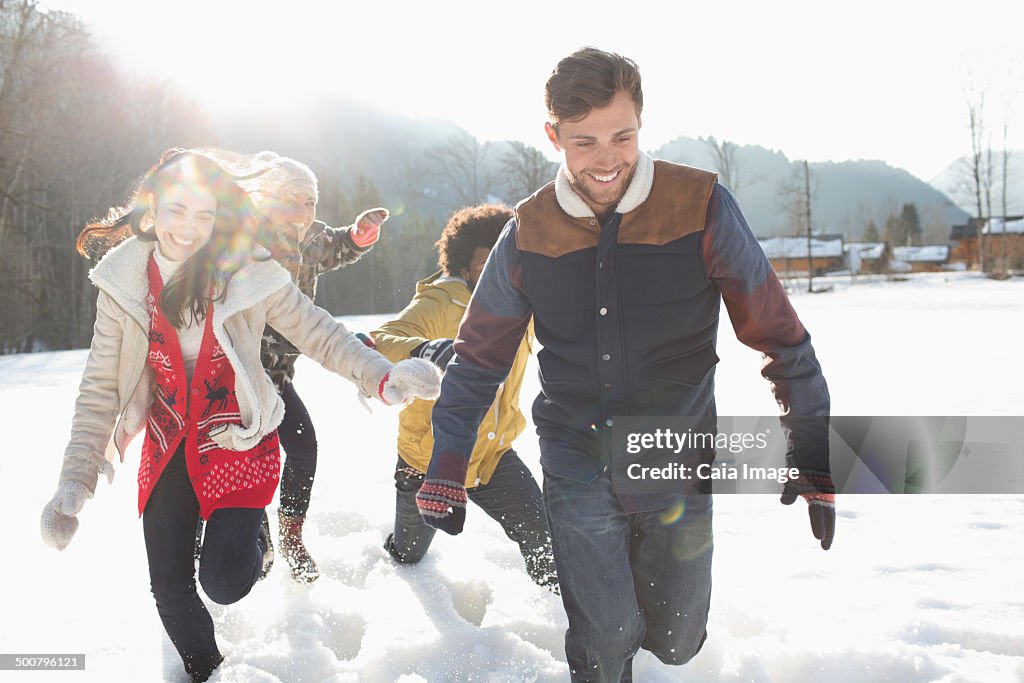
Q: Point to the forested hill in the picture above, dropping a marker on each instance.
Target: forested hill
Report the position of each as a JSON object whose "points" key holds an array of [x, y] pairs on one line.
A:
{"points": [[78, 131], [844, 195], [431, 166]]}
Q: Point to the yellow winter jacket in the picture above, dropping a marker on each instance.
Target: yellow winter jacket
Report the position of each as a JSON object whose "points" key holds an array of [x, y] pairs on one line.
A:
{"points": [[435, 313]]}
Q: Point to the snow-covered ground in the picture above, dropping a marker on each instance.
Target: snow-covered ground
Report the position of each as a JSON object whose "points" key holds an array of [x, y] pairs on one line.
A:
{"points": [[923, 588]]}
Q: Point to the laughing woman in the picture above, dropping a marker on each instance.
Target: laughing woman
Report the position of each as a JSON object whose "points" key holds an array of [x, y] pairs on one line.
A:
{"points": [[184, 299], [287, 195]]}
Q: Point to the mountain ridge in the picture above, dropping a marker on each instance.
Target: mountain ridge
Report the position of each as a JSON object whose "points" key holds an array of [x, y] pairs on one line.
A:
{"points": [[341, 138]]}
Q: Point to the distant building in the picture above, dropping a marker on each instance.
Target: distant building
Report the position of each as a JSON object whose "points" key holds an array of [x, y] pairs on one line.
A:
{"points": [[1002, 234], [866, 257], [927, 258], [789, 254]]}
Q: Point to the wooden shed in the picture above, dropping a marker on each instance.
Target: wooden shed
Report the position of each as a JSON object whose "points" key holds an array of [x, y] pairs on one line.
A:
{"points": [[788, 255], [1003, 235], [867, 257], [928, 258]]}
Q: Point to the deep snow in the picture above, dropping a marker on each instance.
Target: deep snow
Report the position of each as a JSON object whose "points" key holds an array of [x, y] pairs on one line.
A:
{"points": [[923, 588]]}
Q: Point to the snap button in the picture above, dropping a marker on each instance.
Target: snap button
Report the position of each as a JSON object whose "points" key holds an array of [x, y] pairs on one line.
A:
{"points": [[491, 435], [606, 357], [608, 422], [603, 311]]}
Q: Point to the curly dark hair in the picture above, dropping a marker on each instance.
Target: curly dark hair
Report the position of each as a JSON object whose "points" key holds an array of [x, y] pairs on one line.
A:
{"points": [[467, 229], [206, 274]]}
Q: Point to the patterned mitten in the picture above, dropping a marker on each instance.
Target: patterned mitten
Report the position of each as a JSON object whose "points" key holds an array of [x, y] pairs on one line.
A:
{"points": [[58, 523], [410, 379], [439, 352], [366, 230], [442, 497], [820, 493]]}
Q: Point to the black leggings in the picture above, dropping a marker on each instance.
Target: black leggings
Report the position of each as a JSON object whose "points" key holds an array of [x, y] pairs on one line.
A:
{"points": [[298, 439], [231, 562]]}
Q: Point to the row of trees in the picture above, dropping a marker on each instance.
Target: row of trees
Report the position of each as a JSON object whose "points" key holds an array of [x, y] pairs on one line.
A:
{"points": [[902, 229], [76, 133], [426, 186]]}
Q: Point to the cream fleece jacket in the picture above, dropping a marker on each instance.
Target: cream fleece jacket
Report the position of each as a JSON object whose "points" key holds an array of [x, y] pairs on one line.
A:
{"points": [[117, 385]]}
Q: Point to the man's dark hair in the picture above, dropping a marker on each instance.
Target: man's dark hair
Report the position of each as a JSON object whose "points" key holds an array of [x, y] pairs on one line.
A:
{"points": [[588, 79], [467, 229]]}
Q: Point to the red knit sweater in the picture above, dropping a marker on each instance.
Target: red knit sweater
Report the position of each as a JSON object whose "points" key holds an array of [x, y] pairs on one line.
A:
{"points": [[190, 411]]}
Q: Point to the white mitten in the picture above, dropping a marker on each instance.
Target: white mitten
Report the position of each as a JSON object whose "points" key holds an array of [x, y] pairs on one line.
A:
{"points": [[410, 379], [58, 522]]}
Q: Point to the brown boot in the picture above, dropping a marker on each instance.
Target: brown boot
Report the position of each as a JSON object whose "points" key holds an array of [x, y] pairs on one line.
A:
{"points": [[304, 569]]}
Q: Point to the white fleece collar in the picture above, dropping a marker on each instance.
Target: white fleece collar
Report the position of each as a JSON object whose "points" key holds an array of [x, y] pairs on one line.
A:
{"points": [[637, 192], [122, 275]]}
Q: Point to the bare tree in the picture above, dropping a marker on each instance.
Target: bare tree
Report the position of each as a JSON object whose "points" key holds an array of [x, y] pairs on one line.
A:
{"points": [[525, 169], [459, 162], [409, 175], [807, 211], [725, 156], [795, 196], [1005, 161], [977, 170]]}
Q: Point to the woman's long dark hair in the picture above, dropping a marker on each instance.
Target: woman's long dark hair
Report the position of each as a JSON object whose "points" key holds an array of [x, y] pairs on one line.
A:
{"points": [[205, 276]]}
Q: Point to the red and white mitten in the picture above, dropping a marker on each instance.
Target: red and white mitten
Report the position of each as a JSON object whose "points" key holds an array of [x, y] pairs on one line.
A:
{"points": [[366, 230], [408, 380]]}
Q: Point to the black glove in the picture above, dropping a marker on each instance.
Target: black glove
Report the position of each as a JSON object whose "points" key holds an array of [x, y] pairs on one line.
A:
{"points": [[439, 352], [820, 493]]}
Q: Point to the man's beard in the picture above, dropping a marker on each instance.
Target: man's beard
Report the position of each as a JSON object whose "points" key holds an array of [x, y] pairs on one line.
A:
{"points": [[582, 190]]}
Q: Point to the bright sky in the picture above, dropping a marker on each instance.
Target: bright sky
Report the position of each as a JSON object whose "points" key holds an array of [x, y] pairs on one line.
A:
{"points": [[818, 80]]}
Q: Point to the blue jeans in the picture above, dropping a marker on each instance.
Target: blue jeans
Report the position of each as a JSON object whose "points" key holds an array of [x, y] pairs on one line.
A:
{"points": [[628, 580], [230, 563]]}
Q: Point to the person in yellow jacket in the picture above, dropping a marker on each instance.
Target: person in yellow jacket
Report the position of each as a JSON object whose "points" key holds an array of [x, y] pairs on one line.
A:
{"points": [[497, 480]]}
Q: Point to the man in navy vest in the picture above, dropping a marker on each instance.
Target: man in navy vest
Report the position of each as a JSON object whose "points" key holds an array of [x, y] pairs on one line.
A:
{"points": [[623, 263]]}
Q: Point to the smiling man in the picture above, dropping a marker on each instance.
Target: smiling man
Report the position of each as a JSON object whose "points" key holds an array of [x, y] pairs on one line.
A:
{"points": [[623, 263]]}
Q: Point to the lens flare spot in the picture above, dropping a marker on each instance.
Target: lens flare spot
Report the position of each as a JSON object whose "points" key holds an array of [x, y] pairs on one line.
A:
{"points": [[396, 206], [671, 515], [696, 543]]}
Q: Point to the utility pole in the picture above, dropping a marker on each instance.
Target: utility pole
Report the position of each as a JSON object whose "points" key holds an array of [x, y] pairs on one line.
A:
{"points": [[807, 212]]}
